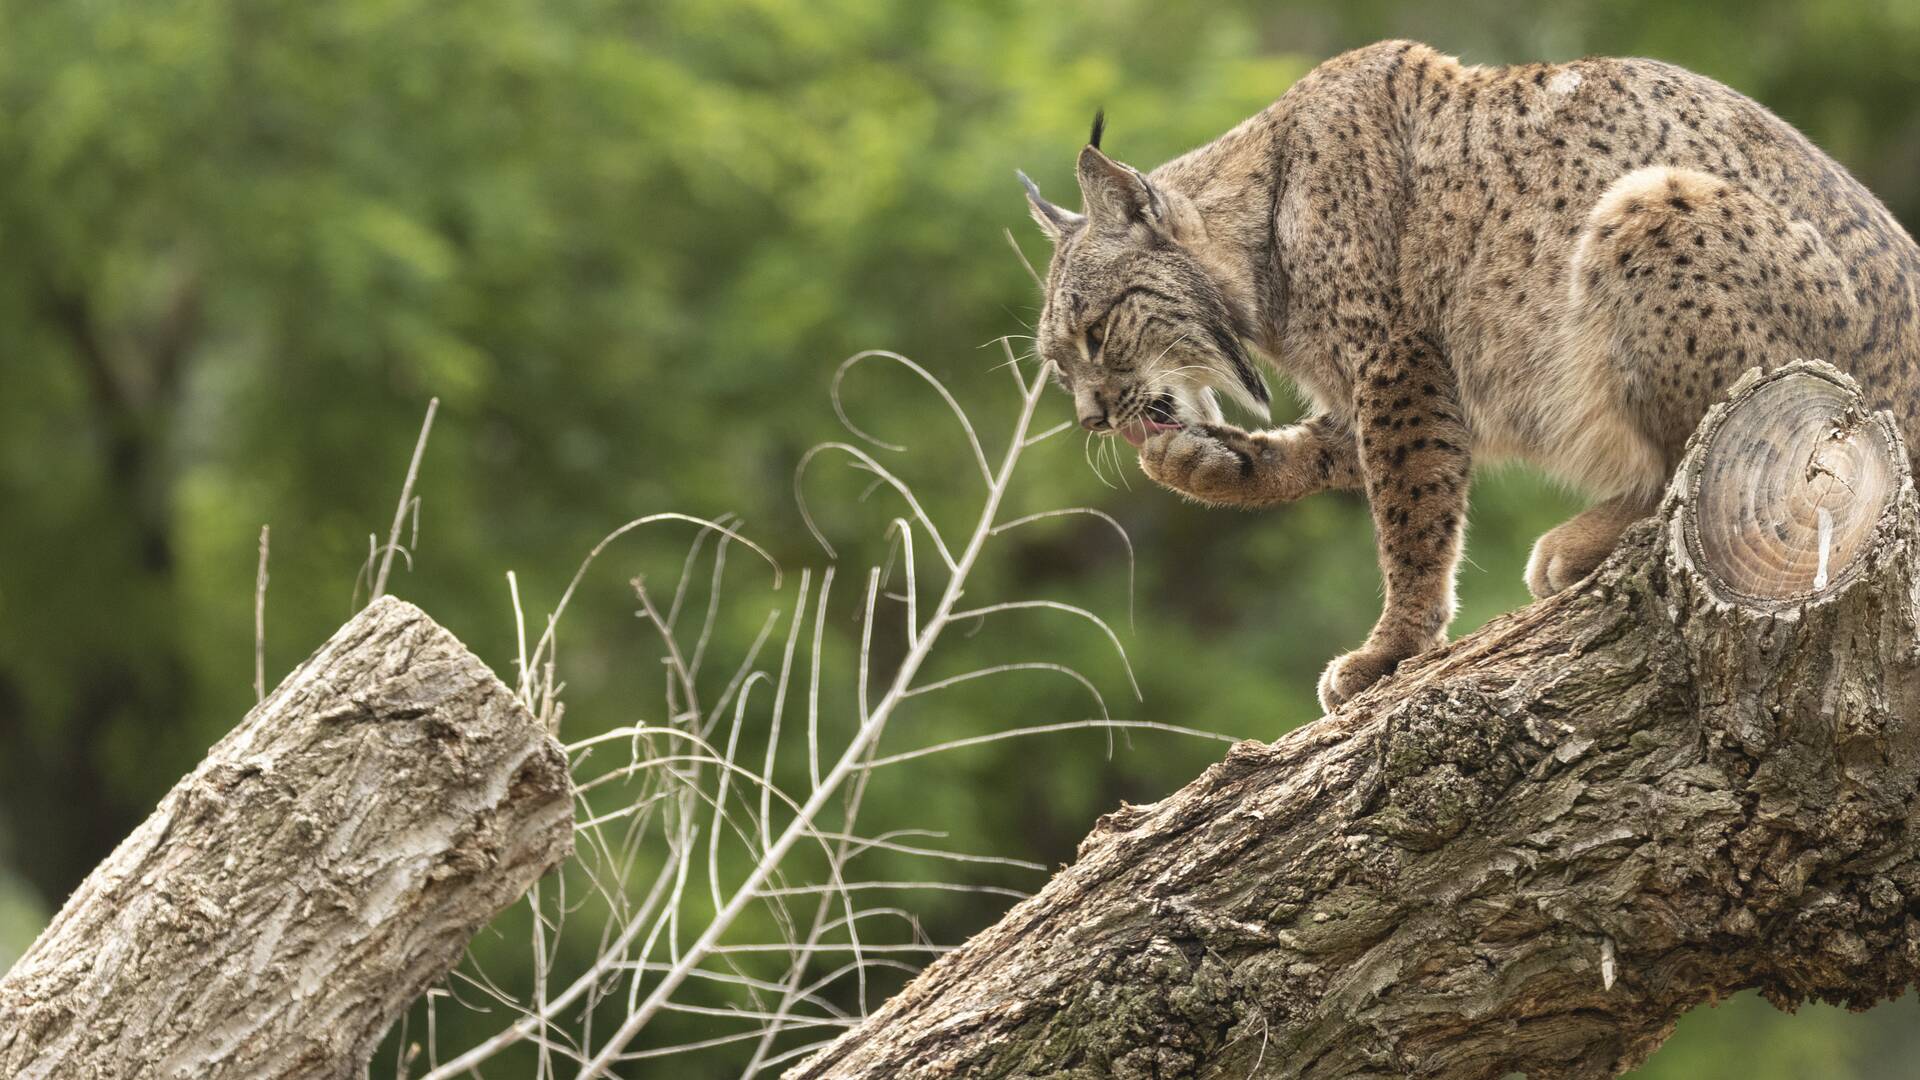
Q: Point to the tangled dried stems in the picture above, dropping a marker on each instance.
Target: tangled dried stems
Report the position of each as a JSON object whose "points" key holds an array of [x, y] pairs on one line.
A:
{"points": [[695, 862]]}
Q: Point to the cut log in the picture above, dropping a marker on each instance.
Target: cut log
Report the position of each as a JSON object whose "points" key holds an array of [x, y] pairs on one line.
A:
{"points": [[1694, 773], [1791, 481], [325, 864]]}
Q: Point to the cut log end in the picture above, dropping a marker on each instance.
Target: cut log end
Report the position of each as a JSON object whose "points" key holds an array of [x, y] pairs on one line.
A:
{"points": [[1791, 479]]}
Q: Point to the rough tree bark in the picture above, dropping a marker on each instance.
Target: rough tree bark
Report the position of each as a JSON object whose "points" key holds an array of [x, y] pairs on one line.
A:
{"points": [[291, 896], [1694, 773]]}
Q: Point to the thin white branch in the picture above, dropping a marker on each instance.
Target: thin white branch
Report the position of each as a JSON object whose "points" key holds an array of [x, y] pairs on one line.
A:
{"points": [[524, 687], [866, 645], [904, 529], [780, 708], [828, 948], [925, 886], [1046, 729], [1029, 665], [813, 684], [953, 406], [866, 461], [1088, 511], [406, 496], [546, 640], [260, 621], [1064, 425], [884, 843], [1055, 605]]}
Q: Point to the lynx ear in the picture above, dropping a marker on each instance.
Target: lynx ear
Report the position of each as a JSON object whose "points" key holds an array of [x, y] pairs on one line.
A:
{"points": [[1114, 193], [1054, 221]]}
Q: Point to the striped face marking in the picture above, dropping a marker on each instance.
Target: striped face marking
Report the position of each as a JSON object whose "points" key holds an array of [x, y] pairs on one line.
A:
{"points": [[1133, 326]]}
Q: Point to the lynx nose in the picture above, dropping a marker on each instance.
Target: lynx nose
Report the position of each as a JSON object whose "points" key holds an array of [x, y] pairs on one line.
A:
{"points": [[1093, 411]]}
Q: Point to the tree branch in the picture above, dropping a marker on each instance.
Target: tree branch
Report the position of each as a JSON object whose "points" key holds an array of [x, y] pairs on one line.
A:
{"points": [[1694, 773]]}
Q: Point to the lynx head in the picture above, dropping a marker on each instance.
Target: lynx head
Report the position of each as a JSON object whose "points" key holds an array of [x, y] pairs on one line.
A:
{"points": [[1139, 332]]}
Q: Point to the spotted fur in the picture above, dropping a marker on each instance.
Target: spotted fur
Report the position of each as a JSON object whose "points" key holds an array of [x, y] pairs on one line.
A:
{"points": [[1562, 264]]}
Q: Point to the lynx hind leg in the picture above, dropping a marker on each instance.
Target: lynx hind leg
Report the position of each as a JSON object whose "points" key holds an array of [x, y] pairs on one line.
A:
{"points": [[1681, 282], [1576, 547]]}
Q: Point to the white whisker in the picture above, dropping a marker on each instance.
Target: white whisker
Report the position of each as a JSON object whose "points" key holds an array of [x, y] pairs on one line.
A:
{"points": [[1087, 451]]}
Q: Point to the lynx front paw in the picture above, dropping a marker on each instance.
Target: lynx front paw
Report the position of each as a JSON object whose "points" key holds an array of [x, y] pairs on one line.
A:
{"points": [[1209, 462], [1348, 676]]}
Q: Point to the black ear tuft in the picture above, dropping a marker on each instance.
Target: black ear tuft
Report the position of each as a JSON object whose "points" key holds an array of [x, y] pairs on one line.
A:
{"points": [[1099, 128]]}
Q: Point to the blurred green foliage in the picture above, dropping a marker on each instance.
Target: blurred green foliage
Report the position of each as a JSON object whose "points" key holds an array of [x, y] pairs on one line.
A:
{"points": [[626, 243]]}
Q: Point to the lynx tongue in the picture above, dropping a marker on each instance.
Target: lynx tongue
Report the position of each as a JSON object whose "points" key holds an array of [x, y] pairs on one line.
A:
{"points": [[1137, 431]]}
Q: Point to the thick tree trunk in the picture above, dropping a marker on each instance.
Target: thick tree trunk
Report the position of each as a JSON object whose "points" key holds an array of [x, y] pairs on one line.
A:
{"points": [[289, 898], [1694, 773]]}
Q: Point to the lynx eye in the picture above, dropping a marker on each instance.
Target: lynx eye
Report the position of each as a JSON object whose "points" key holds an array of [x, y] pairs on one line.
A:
{"points": [[1095, 335]]}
